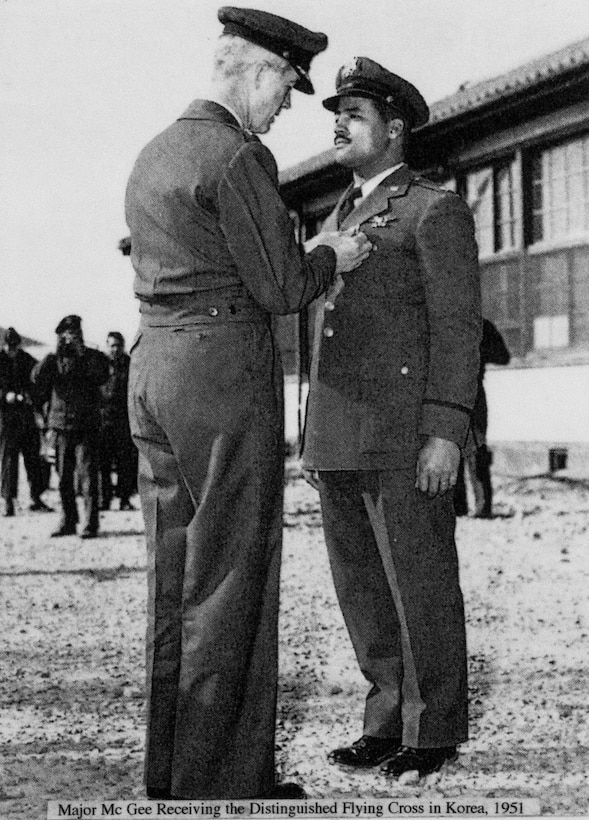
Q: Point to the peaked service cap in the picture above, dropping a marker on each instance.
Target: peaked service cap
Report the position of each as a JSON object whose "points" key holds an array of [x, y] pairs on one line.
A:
{"points": [[296, 44], [362, 77]]}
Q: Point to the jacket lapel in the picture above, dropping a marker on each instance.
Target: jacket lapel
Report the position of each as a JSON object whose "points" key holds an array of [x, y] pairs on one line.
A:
{"points": [[377, 201]]}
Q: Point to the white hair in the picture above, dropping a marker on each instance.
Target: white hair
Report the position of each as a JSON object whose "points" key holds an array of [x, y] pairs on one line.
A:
{"points": [[234, 56]]}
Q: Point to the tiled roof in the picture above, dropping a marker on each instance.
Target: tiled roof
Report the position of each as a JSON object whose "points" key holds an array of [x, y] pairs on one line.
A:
{"points": [[515, 81], [471, 97]]}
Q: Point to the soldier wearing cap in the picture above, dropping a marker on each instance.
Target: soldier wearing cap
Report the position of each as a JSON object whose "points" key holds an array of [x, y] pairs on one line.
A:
{"points": [[393, 381], [18, 429], [68, 383], [214, 254]]}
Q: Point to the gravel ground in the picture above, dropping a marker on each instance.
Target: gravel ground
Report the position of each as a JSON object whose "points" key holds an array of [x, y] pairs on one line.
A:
{"points": [[71, 677]]}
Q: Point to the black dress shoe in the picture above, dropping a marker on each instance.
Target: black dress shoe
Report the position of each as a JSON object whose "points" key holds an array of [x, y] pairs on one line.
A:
{"points": [[8, 508], [425, 761], [365, 752], [126, 506], [87, 532], [40, 506], [63, 530], [286, 791]]}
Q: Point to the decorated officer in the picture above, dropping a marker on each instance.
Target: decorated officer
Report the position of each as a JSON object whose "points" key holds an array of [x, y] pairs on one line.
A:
{"points": [[393, 381]]}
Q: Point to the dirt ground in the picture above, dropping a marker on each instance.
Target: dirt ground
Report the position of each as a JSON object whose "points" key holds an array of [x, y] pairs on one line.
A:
{"points": [[71, 676]]}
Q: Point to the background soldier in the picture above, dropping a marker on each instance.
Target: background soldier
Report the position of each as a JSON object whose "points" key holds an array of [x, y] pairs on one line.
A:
{"points": [[214, 253], [116, 445], [18, 429], [475, 466], [393, 381], [69, 380]]}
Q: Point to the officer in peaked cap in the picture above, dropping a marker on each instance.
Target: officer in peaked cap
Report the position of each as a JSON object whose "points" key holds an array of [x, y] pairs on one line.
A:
{"points": [[363, 77], [393, 381], [296, 44], [214, 255]]}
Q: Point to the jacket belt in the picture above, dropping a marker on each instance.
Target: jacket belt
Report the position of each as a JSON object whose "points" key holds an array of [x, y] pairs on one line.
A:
{"points": [[205, 307]]}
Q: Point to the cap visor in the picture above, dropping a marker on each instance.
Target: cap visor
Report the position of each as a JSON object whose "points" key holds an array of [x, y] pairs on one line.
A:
{"points": [[304, 84], [331, 103]]}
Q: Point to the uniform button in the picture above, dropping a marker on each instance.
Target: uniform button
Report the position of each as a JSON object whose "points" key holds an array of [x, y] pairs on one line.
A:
{"points": [[329, 306], [213, 311], [328, 331], [404, 370]]}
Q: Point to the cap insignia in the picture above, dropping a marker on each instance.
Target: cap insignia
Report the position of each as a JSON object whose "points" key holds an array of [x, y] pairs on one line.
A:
{"points": [[350, 68]]}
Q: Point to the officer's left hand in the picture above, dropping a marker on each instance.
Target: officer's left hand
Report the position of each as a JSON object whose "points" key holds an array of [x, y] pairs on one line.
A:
{"points": [[437, 466]]}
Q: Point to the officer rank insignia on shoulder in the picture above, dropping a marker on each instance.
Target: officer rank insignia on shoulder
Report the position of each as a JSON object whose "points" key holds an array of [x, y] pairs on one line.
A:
{"points": [[427, 183]]}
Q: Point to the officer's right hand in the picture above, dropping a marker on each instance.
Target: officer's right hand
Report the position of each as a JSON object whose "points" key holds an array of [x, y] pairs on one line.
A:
{"points": [[10, 397], [351, 248]]}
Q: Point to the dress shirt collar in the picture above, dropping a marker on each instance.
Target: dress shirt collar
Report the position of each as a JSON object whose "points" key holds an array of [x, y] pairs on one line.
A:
{"points": [[370, 184]]}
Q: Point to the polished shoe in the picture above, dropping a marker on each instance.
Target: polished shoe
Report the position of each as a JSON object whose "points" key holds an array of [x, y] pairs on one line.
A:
{"points": [[63, 530], [126, 506], [286, 791], [424, 761], [8, 508], [365, 752], [40, 506], [87, 532]]}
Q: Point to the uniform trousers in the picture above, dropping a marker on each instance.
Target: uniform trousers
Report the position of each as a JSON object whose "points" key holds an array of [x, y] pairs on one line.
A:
{"points": [[395, 569], [206, 415], [76, 461], [475, 469], [20, 435], [117, 449]]}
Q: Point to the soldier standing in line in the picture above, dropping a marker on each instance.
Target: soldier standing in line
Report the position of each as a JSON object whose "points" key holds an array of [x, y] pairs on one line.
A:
{"points": [[116, 445], [18, 428], [215, 255], [393, 381], [69, 381]]}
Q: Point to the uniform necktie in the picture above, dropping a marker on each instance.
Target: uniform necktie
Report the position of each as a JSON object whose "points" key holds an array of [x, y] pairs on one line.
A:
{"points": [[347, 205]]}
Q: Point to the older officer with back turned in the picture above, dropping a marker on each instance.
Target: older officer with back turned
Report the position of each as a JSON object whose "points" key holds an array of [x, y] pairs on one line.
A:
{"points": [[393, 380], [214, 254]]}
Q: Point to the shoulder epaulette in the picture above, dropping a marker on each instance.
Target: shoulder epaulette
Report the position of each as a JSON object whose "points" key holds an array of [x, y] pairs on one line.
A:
{"points": [[427, 183]]}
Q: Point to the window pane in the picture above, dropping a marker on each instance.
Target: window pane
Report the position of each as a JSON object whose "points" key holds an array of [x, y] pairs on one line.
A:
{"points": [[560, 191]]}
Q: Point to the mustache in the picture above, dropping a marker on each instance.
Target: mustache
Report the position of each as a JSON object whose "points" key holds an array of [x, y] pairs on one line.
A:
{"points": [[340, 134]]}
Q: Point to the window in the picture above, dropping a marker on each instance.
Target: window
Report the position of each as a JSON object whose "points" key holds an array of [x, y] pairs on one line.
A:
{"points": [[560, 191], [492, 193]]}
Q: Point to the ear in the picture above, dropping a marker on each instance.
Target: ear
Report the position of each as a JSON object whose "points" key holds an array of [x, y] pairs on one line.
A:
{"points": [[396, 128], [259, 70]]}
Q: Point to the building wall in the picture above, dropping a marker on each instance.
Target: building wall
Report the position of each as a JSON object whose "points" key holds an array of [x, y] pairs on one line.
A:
{"points": [[535, 410]]}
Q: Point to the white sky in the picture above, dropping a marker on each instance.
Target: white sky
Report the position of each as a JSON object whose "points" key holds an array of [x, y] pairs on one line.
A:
{"points": [[84, 84]]}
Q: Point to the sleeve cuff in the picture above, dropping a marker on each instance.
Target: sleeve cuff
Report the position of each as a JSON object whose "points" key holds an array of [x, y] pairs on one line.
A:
{"points": [[443, 421]]}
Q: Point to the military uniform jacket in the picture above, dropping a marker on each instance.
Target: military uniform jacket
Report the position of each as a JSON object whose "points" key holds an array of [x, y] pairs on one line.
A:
{"points": [[72, 389], [395, 355], [207, 222], [15, 377]]}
